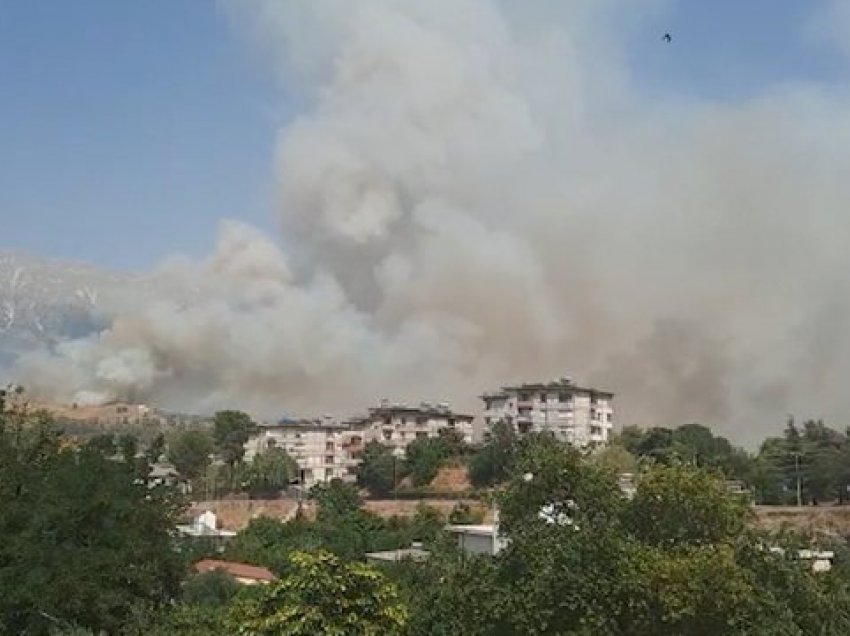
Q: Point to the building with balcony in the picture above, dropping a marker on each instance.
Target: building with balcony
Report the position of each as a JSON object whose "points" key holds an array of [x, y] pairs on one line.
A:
{"points": [[396, 425], [574, 414], [326, 449], [321, 448]]}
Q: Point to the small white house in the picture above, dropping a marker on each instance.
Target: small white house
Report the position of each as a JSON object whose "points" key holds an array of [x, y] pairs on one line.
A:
{"points": [[205, 525], [478, 539]]}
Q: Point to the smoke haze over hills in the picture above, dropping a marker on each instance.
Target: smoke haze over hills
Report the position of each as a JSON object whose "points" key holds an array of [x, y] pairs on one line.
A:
{"points": [[477, 193]]}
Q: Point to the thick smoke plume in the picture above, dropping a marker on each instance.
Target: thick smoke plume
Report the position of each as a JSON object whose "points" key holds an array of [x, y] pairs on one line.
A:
{"points": [[476, 193]]}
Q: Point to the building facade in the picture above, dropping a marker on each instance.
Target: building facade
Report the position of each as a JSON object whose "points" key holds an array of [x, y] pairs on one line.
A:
{"points": [[326, 449], [396, 425], [318, 446], [577, 415]]}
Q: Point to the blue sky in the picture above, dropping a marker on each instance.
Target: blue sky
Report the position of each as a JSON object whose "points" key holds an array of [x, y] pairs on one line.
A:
{"points": [[129, 129]]}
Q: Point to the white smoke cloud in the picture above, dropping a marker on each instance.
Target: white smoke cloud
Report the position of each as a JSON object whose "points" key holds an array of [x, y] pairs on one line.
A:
{"points": [[473, 194]]}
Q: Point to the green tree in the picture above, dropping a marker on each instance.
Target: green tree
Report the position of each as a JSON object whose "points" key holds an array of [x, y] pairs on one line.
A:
{"points": [[616, 459], [678, 505], [216, 589], [461, 513], [84, 540], [377, 469], [453, 441], [270, 472], [268, 542], [231, 430], [320, 594], [336, 499], [552, 485], [426, 524], [494, 461], [424, 457], [190, 452]]}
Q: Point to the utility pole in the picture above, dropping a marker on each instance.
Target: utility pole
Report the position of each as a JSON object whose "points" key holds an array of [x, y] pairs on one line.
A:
{"points": [[396, 453], [799, 483]]}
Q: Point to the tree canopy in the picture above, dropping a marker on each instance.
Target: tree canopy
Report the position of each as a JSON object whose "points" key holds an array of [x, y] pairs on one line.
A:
{"points": [[231, 430], [320, 594], [84, 538]]}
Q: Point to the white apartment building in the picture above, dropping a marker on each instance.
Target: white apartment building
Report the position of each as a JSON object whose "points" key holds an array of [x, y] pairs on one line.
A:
{"points": [[577, 415], [326, 449], [396, 425], [320, 447]]}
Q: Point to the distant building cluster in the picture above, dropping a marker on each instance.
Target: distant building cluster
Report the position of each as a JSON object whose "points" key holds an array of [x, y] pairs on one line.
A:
{"points": [[327, 448]]}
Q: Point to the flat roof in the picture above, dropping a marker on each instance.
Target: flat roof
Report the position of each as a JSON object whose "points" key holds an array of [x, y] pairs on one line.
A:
{"points": [[421, 410], [235, 569], [303, 424], [505, 391], [414, 554], [483, 529]]}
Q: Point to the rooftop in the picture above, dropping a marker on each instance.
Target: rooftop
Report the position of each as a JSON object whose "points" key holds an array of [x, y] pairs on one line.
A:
{"points": [[561, 384], [424, 408], [234, 569], [484, 529], [392, 556], [304, 423]]}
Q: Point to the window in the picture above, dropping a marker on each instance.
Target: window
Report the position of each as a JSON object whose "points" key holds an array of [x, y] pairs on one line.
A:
{"points": [[329, 446], [608, 417], [524, 427], [421, 434], [329, 473], [329, 459], [388, 434]]}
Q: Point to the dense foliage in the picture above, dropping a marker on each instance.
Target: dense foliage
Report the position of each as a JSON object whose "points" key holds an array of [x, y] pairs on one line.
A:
{"points": [[190, 452], [320, 594], [676, 559], [83, 539], [87, 543], [231, 430], [377, 471]]}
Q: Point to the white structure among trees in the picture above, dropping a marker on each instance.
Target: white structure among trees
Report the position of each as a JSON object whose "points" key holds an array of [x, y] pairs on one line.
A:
{"points": [[577, 415]]}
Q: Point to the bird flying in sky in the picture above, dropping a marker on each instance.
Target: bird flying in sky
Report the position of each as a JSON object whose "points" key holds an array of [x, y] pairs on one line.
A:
{"points": [[667, 38]]}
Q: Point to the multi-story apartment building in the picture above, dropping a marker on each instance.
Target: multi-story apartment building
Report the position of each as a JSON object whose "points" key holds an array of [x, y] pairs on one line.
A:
{"points": [[320, 447], [574, 414], [396, 425], [326, 449]]}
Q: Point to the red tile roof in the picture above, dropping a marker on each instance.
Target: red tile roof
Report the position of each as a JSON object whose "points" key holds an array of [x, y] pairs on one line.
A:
{"points": [[236, 570]]}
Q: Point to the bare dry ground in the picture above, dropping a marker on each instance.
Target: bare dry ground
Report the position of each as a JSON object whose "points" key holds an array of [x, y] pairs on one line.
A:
{"points": [[826, 519], [236, 513]]}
